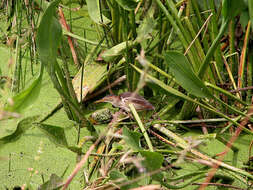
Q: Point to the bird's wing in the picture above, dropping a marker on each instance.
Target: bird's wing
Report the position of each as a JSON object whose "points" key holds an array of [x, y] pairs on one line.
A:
{"points": [[139, 101]]}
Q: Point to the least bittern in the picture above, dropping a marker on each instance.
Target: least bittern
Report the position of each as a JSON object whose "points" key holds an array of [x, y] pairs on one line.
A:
{"points": [[123, 100]]}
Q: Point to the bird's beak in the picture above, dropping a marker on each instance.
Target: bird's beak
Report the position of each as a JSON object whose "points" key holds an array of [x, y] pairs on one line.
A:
{"points": [[99, 101]]}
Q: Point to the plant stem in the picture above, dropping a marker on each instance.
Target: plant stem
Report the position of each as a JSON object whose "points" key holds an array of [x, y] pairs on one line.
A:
{"points": [[143, 130], [211, 50]]}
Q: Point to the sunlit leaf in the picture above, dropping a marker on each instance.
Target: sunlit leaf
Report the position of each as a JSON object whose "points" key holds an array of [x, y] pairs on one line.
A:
{"points": [[132, 138], [55, 134], [93, 74], [95, 13], [184, 75]]}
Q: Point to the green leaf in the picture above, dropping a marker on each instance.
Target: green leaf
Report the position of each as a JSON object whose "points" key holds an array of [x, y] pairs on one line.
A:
{"points": [[117, 50], [55, 182], [127, 4], [250, 6], [55, 134], [22, 127], [153, 161], [121, 178], [26, 97], [231, 8], [94, 12], [244, 19], [165, 88], [49, 35], [184, 75], [132, 139]]}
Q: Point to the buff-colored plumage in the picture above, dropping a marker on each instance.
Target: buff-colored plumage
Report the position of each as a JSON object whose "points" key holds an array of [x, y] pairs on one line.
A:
{"points": [[123, 100]]}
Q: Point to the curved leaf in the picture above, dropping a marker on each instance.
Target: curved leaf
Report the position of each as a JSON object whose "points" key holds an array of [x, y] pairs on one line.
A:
{"points": [[49, 35], [94, 12], [127, 4], [117, 50], [26, 97], [22, 127], [184, 75], [55, 134]]}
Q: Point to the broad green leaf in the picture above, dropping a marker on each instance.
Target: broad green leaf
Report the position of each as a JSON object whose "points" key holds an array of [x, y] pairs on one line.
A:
{"points": [[153, 161], [244, 19], [117, 50], [132, 139], [121, 178], [127, 4], [231, 8], [55, 134], [93, 74], [54, 183], [95, 13], [184, 75], [49, 35], [166, 88], [22, 127], [250, 6]]}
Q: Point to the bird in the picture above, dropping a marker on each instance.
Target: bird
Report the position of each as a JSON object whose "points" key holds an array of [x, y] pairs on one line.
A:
{"points": [[123, 100]]}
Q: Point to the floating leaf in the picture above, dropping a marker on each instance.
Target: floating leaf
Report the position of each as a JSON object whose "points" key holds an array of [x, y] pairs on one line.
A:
{"points": [[132, 139], [22, 127], [56, 134], [127, 4], [184, 75], [26, 97], [54, 183], [94, 12]]}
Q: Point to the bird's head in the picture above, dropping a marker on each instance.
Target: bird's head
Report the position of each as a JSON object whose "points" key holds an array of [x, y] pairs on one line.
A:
{"points": [[113, 99]]}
